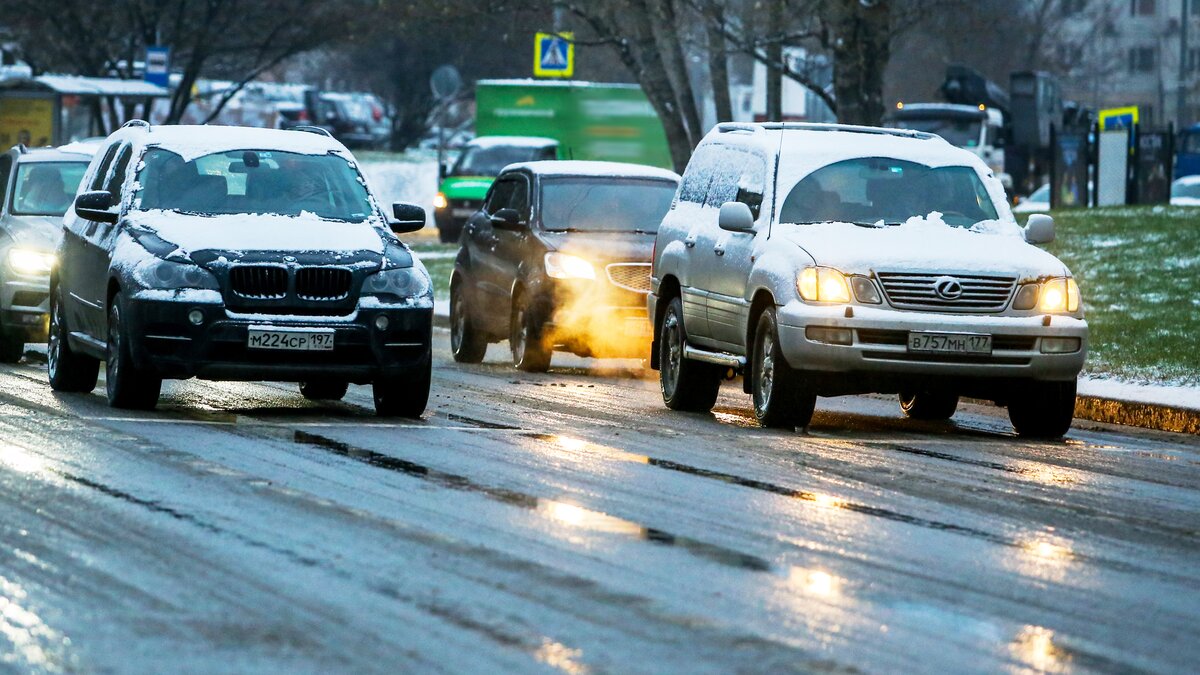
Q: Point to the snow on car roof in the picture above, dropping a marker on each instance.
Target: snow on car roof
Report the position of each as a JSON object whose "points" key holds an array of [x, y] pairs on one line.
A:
{"points": [[56, 155], [511, 141], [192, 141], [594, 169], [1187, 180]]}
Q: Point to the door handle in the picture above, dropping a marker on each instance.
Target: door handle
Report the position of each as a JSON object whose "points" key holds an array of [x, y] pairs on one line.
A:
{"points": [[719, 250], [690, 242]]}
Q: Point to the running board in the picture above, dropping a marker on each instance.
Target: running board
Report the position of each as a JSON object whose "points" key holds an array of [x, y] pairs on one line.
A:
{"points": [[727, 360]]}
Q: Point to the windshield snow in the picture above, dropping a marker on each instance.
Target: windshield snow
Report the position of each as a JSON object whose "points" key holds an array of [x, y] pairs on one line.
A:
{"points": [[880, 191], [253, 182], [45, 188], [491, 160], [590, 205]]}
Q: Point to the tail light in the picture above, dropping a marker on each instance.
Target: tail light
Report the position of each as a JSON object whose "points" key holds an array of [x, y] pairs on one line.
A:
{"points": [[302, 116], [376, 113]]}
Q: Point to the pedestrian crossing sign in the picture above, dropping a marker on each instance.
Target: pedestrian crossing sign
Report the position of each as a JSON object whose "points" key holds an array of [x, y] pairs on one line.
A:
{"points": [[554, 55]]}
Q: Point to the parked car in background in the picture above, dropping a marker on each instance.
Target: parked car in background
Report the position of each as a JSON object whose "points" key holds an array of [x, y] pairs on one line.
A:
{"points": [[36, 188], [357, 119], [1187, 152], [559, 258], [823, 260], [1186, 191], [230, 253], [464, 185], [1037, 202]]}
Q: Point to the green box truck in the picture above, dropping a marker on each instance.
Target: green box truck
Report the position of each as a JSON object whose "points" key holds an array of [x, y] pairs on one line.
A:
{"points": [[526, 120]]}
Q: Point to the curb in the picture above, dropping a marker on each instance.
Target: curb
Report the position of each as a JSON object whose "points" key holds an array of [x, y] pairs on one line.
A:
{"points": [[1092, 408]]}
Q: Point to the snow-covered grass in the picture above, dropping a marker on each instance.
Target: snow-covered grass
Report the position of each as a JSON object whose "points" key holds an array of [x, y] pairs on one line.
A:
{"points": [[1139, 271]]}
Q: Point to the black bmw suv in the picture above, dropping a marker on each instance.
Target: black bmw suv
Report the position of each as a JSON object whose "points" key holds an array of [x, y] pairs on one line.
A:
{"points": [[228, 253]]}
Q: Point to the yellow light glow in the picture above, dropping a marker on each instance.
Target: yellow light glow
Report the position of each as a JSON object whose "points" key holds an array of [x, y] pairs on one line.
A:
{"points": [[822, 284], [807, 283], [1060, 295], [899, 105], [1073, 296], [1035, 646], [814, 582], [982, 106], [439, 201], [25, 261], [578, 517], [568, 443], [828, 501], [563, 266]]}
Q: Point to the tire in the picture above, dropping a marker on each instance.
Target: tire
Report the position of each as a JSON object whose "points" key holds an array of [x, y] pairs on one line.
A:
{"points": [[529, 350], [324, 390], [404, 396], [467, 344], [928, 405], [686, 385], [68, 371], [127, 385], [1043, 409], [12, 347], [780, 401]]}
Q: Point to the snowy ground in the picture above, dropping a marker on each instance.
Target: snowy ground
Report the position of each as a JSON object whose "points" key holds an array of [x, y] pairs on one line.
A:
{"points": [[242, 528]]}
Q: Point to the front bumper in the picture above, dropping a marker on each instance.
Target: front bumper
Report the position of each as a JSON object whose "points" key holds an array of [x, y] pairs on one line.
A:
{"points": [[596, 318], [25, 306], [162, 339], [879, 348]]}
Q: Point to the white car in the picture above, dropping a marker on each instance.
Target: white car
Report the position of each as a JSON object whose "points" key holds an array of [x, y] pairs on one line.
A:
{"points": [[36, 187], [1186, 191], [1037, 202], [822, 260]]}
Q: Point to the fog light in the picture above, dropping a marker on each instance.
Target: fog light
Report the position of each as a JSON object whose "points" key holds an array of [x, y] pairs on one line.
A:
{"points": [[196, 317], [1060, 345], [381, 322], [832, 336]]}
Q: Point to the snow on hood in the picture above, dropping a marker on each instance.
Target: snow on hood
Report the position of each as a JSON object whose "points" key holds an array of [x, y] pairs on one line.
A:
{"points": [[265, 232], [924, 245], [36, 232]]}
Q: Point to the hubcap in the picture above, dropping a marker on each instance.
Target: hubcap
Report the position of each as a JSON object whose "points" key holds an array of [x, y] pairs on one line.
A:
{"points": [[517, 338], [52, 354], [766, 371], [459, 322], [113, 362], [674, 346]]}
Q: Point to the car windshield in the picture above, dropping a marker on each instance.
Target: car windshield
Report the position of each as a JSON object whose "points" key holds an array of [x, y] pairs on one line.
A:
{"points": [[605, 205], [960, 131], [490, 160], [1041, 194], [253, 182], [1189, 189], [877, 190], [45, 188]]}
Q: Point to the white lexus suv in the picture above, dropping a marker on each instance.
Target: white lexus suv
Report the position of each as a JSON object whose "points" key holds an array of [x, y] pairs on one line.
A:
{"points": [[824, 260]]}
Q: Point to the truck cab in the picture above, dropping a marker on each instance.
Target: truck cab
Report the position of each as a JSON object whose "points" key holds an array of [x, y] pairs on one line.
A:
{"points": [[464, 185], [975, 128]]}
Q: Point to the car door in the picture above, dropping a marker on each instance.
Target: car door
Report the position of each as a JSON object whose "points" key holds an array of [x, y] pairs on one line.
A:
{"points": [[695, 220], [511, 244], [482, 243], [733, 252], [79, 297]]}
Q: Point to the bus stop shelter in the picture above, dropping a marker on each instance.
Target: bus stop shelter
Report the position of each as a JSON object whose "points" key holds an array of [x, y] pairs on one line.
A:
{"points": [[55, 109]]}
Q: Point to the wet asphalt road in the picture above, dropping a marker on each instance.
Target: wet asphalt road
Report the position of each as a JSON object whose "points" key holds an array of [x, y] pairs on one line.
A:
{"points": [[569, 522]]}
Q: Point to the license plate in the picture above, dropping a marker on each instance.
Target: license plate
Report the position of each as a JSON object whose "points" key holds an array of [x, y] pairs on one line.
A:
{"points": [[950, 343], [462, 213], [637, 327], [315, 340]]}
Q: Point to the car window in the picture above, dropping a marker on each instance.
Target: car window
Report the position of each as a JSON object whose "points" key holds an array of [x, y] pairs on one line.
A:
{"points": [[960, 131], [699, 174], [102, 169], [500, 195], [117, 177], [741, 177], [874, 190], [1189, 190], [5, 171], [520, 198], [491, 160], [45, 188], [253, 182], [605, 204]]}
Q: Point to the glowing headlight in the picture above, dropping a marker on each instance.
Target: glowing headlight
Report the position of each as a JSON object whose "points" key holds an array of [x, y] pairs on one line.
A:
{"points": [[439, 201], [1059, 295], [25, 261], [165, 274], [563, 266], [396, 284], [822, 284]]}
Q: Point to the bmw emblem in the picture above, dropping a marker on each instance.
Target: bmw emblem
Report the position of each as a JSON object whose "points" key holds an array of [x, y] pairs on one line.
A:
{"points": [[289, 259], [948, 288]]}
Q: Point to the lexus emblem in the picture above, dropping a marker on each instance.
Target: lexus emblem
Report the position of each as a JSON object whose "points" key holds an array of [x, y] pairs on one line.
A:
{"points": [[948, 288]]}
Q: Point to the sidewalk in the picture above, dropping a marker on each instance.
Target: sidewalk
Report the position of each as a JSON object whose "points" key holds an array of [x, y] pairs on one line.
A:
{"points": [[1161, 407]]}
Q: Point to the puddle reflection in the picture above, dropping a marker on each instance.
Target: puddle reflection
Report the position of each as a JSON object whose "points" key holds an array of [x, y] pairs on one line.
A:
{"points": [[560, 657], [815, 582], [32, 642], [1035, 647]]}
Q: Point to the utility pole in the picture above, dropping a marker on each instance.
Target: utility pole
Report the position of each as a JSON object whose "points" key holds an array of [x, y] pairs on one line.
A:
{"points": [[1181, 102]]}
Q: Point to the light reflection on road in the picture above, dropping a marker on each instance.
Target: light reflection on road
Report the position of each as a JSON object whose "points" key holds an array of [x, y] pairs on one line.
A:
{"points": [[1034, 646], [33, 643]]}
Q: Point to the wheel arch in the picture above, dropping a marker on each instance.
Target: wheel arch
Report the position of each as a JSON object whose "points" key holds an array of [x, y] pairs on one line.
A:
{"points": [[761, 300]]}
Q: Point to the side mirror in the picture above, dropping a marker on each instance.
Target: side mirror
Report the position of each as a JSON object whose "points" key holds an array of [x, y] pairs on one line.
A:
{"points": [[1039, 229], [507, 219], [96, 205], [736, 217], [408, 218], [443, 171]]}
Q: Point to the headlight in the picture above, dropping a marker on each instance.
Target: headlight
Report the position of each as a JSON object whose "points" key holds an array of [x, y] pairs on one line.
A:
{"points": [[563, 266], [823, 284], [25, 261], [1059, 295], [397, 284], [439, 201], [166, 274]]}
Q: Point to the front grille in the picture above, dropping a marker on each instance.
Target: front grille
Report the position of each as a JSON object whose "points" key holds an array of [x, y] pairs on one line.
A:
{"points": [[980, 293], [323, 283], [259, 282], [630, 276]]}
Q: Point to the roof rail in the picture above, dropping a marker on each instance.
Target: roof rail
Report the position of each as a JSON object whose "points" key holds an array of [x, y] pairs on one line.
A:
{"points": [[310, 129], [726, 127], [21, 148], [142, 124]]}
